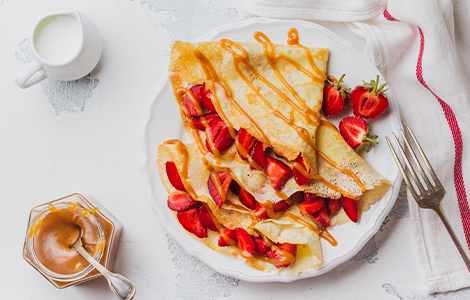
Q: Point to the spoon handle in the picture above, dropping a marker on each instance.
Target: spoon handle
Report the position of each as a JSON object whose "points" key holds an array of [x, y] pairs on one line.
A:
{"points": [[121, 286]]}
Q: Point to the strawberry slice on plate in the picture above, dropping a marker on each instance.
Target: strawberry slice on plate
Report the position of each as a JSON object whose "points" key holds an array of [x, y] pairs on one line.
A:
{"points": [[246, 140], [298, 176], [335, 96], [356, 133], [220, 135], [206, 218], [227, 238], [368, 101], [189, 219], [312, 203], [332, 205], [351, 208], [225, 180], [180, 202], [278, 172], [174, 176], [247, 199], [245, 242], [322, 216]]}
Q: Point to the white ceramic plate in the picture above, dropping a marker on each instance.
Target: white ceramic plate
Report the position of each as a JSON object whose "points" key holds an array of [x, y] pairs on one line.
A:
{"points": [[163, 122]]}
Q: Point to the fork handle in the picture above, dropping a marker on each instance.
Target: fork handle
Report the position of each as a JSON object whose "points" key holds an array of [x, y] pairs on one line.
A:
{"points": [[444, 220]]}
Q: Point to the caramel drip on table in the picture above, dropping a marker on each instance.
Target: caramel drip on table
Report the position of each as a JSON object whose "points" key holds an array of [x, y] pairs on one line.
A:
{"points": [[183, 152]]}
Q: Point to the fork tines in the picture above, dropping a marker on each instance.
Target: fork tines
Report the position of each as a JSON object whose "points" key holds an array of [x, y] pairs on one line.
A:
{"points": [[429, 186]]}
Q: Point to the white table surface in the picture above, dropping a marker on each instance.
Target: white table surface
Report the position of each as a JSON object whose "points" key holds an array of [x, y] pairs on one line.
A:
{"points": [[57, 138]]}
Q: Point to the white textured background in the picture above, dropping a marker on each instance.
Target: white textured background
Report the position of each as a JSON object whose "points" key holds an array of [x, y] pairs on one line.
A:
{"points": [[58, 138]]}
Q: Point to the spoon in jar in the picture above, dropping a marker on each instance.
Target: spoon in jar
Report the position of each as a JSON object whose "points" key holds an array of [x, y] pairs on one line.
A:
{"points": [[121, 286]]}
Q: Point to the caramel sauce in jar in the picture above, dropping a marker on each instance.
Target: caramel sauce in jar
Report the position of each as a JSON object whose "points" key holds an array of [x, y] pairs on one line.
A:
{"points": [[54, 226]]}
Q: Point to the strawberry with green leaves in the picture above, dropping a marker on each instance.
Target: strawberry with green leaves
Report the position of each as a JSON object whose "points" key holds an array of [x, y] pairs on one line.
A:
{"points": [[368, 100], [335, 96], [356, 133]]}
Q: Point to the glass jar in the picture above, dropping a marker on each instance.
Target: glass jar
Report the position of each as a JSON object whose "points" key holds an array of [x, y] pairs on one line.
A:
{"points": [[99, 227]]}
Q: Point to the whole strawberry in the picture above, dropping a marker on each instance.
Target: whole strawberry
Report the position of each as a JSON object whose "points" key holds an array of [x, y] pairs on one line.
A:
{"points": [[335, 96], [368, 101], [356, 133]]}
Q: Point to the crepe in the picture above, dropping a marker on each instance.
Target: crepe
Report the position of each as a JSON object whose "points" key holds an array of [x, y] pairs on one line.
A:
{"points": [[283, 229], [268, 98]]}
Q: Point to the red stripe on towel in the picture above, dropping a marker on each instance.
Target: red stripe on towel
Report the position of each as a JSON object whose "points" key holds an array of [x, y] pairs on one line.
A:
{"points": [[456, 135]]}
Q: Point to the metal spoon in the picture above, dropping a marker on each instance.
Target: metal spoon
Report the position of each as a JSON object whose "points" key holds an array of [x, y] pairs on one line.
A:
{"points": [[121, 286]]}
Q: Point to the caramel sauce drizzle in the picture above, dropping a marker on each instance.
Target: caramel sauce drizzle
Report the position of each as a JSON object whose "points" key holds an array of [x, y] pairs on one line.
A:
{"points": [[183, 152], [227, 239], [242, 58], [268, 259], [293, 40], [285, 257]]}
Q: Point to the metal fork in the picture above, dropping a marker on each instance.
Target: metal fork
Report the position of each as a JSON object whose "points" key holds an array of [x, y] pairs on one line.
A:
{"points": [[430, 197]]}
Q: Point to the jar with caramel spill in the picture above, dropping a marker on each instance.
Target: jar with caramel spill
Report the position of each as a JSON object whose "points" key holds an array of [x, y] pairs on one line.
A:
{"points": [[54, 226]]}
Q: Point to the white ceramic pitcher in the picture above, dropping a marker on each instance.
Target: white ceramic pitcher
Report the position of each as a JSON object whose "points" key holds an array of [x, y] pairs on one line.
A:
{"points": [[64, 45]]}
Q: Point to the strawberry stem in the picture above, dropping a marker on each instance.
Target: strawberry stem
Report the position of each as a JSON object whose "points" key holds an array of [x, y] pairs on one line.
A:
{"points": [[375, 86], [339, 82], [370, 140]]}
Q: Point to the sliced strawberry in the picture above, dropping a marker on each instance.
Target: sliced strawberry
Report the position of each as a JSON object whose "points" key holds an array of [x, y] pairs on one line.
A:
{"points": [[350, 207], [282, 205], [225, 180], [368, 101], [332, 205], [312, 203], [174, 176], [260, 245], [189, 219], [245, 242], [206, 218], [220, 135], [298, 176], [261, 212], [180, 202], [335, 96], [198, 123], [247, 199], [227, 238], [196, 91], [207, 101], [258, 154], [235, 187], [246, 140], [356, 133], [297, 197], [278, 172], [285, 253], [322, 216]]}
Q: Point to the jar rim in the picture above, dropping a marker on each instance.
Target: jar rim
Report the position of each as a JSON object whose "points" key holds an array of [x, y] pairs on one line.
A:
{"points": [[29, 245]]}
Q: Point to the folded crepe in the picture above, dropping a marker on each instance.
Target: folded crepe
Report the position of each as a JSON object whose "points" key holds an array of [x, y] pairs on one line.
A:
{"points": [[275, 92], [233, 214]]}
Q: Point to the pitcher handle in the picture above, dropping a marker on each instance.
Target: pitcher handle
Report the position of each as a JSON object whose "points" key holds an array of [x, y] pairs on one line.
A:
{"points": [[30, 75]]}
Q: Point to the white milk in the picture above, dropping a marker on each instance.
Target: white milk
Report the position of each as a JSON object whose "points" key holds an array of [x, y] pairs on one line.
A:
{"points": [[58, 38]]}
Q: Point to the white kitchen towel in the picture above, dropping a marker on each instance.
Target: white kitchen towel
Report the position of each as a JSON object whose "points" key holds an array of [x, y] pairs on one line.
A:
{"points": [[412, 44]]}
